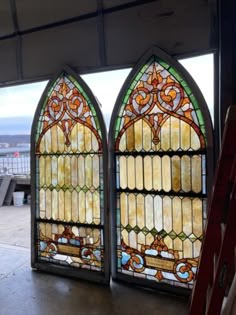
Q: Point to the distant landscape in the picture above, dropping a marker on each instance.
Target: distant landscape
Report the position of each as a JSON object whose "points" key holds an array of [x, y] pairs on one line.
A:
{"points": [[14, 140], [15, 125], [15, 130]]}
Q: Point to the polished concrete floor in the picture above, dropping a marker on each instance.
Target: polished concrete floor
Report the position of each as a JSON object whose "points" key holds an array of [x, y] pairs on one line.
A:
{"points": [[27, 292]]}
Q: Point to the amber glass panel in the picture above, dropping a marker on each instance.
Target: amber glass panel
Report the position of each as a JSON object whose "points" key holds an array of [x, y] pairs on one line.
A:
{"points": [[186, 173], [148, 172], [157, 174], [149, 213], [196, 170], [187, 216], [185, 136], [175, 173], [140, 211], [138, 132], [147, 137], [197, 217], [195, 141], [131, 172], [165, 134], [130, 138], [160, 146], [167, 214], [139, 172], [132, 210], [123, 172], [166, 173], [175, 133], [158, 212], [124, 209], [68, 148], [122, 144], [177, 215]]}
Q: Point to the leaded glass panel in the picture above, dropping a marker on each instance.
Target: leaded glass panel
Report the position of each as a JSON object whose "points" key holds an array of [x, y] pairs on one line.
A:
{"points": [[69, 147], [160, 147]]}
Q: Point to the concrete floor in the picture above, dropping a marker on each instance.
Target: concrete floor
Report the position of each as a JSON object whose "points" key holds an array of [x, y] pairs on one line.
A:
{"points": [[15, 225], [26, 292]]}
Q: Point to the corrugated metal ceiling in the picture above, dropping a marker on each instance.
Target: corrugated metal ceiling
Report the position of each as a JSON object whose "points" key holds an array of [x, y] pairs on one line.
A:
{"points": [[38, 37]]}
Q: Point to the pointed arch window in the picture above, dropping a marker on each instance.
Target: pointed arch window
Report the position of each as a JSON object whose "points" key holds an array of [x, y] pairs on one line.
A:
{"points": [[69, 181], [161, 140]]}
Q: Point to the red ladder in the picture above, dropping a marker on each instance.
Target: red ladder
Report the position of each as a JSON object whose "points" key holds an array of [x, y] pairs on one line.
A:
{"points": [[216, 266]]}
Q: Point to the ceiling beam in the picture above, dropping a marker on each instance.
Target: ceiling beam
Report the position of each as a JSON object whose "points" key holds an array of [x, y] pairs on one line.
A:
{"points": [[18, 39], [101, 34], [75, 19]]}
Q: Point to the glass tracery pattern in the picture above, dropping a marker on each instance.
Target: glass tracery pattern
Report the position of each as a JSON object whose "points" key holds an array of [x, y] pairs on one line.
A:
{"points": [[160, 151], [69, 179]]}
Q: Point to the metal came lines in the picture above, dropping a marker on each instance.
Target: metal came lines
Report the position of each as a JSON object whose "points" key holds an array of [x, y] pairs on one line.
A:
{"points": [[58, 222]]}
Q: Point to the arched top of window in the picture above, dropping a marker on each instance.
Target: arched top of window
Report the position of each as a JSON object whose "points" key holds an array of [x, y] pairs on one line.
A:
{"points": [[159, 93], [69, 112]]}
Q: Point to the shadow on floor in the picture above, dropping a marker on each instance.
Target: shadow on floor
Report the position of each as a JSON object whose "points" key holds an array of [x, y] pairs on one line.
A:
{"points": [[27, 292]]}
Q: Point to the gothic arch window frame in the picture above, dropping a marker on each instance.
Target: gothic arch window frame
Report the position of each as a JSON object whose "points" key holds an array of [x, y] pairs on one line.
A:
{"points": [[112, 159], [104, 275]]}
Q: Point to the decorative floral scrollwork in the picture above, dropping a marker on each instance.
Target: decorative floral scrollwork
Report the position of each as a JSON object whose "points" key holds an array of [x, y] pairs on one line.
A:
{"points": [[76, 105], [47, 248], [183, 270], [65, 107], [55, 108], [171, 97], [141, 100], [137, 262], [75, 248], [157, 259], [87, 255], [156, 97]]}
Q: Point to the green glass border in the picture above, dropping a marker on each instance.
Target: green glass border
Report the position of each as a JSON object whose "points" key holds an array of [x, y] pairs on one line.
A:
{"points": [[80, 89]]}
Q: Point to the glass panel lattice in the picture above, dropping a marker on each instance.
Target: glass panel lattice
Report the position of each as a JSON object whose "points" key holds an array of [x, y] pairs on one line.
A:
{"points": [[160, 152], [69, 179]]}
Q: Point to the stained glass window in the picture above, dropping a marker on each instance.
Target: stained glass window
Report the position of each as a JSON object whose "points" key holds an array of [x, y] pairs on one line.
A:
{"points": [[160, 151], [69, 143]]}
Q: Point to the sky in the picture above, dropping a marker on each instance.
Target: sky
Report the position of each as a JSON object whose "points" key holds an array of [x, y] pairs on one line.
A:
{"points": [[22, 100]]}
